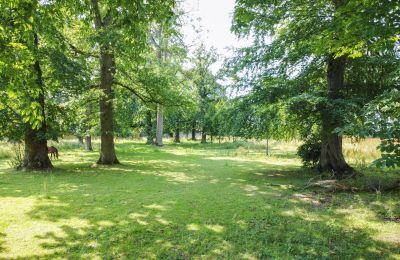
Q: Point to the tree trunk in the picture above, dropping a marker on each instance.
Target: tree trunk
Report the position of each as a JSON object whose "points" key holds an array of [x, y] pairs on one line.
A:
{"points": [[203, 137], [88, 143], [149, 128], [107, 71], [80, 140], [177, 138], [332, 159], [193, 134], [267, 150], [36, 156], [107, 152], [160, 125]]}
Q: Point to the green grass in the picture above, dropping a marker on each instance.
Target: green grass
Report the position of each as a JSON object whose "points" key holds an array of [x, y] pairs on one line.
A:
{"points": [[189, 201]]}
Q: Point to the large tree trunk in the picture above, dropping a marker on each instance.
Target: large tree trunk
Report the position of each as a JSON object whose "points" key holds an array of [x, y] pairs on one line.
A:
{"points": [[160, 125], [149, 128], [36, 157], [88, 143], [107, 151], [107, 71], [332, 159]]}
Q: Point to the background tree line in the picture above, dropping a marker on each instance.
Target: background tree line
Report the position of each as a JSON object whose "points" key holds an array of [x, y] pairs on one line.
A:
{"points": [[317, 70]]}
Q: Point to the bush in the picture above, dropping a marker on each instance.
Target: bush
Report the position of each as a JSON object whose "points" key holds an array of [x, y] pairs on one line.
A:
{"points": [[309, 152], [18, 156]]}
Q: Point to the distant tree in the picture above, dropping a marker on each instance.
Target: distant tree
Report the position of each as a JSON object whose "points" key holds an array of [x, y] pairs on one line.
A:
{"points": [[206, 87]]}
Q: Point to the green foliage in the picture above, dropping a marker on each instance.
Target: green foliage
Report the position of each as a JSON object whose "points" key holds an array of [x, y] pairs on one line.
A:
{"points": [[285, 67], [35, 65], [17, 156], [310, 151], [383, 119]]}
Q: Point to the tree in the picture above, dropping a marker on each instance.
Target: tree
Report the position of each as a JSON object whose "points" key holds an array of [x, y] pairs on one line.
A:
{"points": [[117, 31], [34, 64], [205, 84], [295, 40]]}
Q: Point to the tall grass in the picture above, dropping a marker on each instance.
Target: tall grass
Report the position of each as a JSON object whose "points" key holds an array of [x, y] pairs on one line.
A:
{"points": [[6, 150], [362, 152], [71, 143]]}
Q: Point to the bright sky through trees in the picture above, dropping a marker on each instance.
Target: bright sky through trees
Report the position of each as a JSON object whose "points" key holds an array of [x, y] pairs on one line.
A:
{"points": [[215, 20]]}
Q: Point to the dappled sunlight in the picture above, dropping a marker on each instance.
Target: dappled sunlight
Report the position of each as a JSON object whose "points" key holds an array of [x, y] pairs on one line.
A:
{"points": [[215, 228], [13, 208], [173, 177], [248, 256], [222, 248], [139, 218], [156, 207], [67, 187], [193, 227], [161, 220], [179, 203]]}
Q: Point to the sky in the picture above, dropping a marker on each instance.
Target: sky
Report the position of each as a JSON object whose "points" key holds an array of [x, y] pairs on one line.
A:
{"points": [[215, 20]]}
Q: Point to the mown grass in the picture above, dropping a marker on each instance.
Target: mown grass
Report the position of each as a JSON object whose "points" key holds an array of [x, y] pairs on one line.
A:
{"points": [[189, 201]]}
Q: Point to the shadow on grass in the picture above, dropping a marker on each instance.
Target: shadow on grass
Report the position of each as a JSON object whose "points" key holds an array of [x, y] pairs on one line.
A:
{"points": [[170, 205]]}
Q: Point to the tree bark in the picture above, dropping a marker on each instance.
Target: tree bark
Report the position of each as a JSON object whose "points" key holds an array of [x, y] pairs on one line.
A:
{"points": [[107, 150], [177, 138], [149, 128], [203, 137], [332, 159], [80, 140], [160, 126], [193, 131], [36, 156], [88, 143], [107, 71]]}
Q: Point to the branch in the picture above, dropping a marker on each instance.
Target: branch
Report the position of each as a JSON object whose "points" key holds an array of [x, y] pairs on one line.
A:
{"points": [[98, 22], [79, 51], [144, 99], [151, 98]]}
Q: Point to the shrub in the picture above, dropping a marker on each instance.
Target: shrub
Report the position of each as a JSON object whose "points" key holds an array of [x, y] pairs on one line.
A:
{"points": [[309, 152]]}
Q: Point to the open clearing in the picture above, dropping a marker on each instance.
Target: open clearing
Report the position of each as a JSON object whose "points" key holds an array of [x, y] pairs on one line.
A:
{"points": [[189, 201]]}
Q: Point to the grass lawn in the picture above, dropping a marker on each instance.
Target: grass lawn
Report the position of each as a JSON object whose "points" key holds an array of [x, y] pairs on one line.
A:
{"points": [[189, 201]]}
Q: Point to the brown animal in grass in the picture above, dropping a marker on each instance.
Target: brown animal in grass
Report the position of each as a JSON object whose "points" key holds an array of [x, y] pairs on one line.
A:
{"points": [[53, 152]]}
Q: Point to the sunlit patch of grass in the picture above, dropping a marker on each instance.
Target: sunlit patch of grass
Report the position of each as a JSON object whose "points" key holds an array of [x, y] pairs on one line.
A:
{"points": [[361, 152], [5, 150], [188, 201]]}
